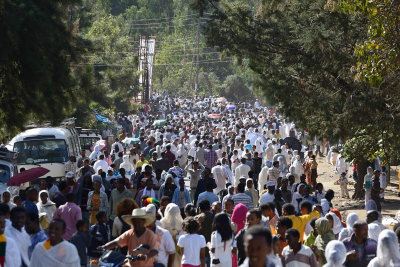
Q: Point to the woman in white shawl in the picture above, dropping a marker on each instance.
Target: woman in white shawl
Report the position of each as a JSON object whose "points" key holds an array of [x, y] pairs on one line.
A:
{"points": [[337, 224], [368, 183], [55, 251], [295, 153], [182, 155], [298, 167], [259, 145], [387, 252], [6, 199], [297, 196], [129, 169], [95, 154], [172, 222], [269, 152], [335, 254], [373, 231], [348, 231], [46, 209]]}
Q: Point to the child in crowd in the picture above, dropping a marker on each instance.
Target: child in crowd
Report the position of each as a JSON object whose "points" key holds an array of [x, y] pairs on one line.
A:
{"points": [[344, 193], [81, 241], [99, 234], [17, 200], [193, 244]]}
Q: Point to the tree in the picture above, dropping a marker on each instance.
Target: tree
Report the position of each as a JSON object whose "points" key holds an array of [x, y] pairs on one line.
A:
{"points": [[378, 53], [303, 55], [35, 50], [234, 88]]}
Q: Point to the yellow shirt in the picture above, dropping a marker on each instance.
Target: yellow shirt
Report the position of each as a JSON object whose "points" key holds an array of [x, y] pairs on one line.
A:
{"points": [[141, 163], [300, 222]]}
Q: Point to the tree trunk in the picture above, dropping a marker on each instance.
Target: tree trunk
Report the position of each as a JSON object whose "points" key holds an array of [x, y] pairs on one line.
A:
{"points": [[361, 172]]}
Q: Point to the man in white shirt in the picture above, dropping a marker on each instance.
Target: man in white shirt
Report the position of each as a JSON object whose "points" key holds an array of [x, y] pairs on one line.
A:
{"points": [[241, 170], [17, 232], [229, 173], [220, 177], [12, 256], [117, 144], [268, 196], [274, 172], [166, 249], [100, 164]]}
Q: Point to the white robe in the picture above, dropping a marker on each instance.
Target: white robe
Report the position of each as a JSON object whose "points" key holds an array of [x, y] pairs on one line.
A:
{"points": [[262, 178], [22, 239], [63, 254], [129, 169], [13, 257], [219, 174]]}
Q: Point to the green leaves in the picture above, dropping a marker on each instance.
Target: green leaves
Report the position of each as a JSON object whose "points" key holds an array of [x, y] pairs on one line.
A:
{"points": [[36, 48]]}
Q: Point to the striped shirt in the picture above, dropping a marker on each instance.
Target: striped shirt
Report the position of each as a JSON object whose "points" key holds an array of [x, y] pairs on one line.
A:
{"points": [[244, 199], [303, 258]]}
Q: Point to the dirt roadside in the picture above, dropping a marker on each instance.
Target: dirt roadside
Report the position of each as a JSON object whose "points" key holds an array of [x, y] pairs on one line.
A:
{"points": [[327, 176]]}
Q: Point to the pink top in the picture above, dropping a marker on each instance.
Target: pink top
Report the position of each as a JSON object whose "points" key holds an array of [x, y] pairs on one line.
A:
{"points": [[71, 214]]}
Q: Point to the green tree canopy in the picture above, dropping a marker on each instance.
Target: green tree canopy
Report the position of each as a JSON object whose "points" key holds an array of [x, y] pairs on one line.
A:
{"points": [[35, 50]]}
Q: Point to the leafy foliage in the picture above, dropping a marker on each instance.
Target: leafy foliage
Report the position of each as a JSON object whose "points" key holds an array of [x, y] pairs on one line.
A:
{"points": [[379, 53], [35, 50]]}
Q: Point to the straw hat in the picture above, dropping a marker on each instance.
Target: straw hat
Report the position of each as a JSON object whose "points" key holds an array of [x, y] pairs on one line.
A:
{"points": [[139, 214]]}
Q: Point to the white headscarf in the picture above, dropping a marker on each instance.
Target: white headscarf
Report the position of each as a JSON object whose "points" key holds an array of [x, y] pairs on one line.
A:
{"points": [[95, 154], [373, 231], [48, 203], [387, 252], [348, 231], [335, 254], [371, 205], [337, 224], [172, 220]]}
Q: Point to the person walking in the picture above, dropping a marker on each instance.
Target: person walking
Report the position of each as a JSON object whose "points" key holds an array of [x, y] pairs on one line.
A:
{"points": [[223, 244], [70, 213]]}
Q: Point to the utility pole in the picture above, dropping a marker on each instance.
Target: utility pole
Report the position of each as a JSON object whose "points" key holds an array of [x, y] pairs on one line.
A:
{"points": [[143, 66], [198, 57]]}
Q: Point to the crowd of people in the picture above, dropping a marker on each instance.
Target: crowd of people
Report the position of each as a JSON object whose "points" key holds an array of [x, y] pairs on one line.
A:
{"points": [[196, 184]]}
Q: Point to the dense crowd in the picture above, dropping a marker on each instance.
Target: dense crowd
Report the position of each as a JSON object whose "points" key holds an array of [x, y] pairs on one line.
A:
{"points": [[193, 184]]}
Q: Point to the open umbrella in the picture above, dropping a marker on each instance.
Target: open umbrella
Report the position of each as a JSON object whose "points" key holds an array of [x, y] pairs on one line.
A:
{"points": [[27, 176], [220, 99], [254, 136], [101, 143], [214, 116], [159, 123], [132, 141], [293, 143], [230, 107]]}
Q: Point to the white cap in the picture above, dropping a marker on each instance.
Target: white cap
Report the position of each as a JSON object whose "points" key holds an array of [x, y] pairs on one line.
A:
{"points": [[70, 175], [270, 183]]}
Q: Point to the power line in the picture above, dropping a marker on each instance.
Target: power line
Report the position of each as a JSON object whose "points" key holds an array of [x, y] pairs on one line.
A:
{"points": [[158, 49], [167, 18], [163, 22], [176, 55], [160, 64], [169, 26]]}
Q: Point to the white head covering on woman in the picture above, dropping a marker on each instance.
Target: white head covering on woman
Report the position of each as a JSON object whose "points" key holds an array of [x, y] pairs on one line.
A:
{"points": [[348, 231], [387, 252], [335, 254], [337, 224], [172, 220]]}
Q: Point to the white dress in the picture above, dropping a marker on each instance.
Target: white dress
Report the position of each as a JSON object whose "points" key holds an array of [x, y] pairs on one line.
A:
{"points": [[223, 249]]}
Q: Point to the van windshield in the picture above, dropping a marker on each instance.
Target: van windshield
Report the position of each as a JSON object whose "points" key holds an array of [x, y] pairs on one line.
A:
{"points": [[5, 173], [41, 151]]}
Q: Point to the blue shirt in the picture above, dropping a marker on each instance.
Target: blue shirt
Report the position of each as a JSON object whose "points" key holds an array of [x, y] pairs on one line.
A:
{"points": [[35, 239], [210, 196], [30, 207]]}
